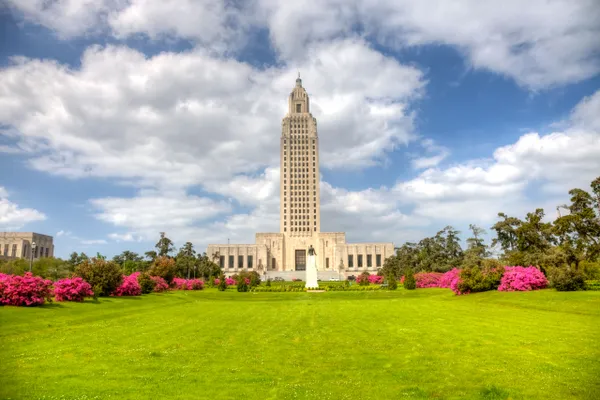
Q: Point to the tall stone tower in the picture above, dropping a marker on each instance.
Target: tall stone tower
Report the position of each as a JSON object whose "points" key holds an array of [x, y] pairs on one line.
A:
{"points": [[299, 196]]}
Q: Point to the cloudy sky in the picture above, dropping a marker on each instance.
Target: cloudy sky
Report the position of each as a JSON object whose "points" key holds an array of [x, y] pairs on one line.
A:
{"points": [[120, 119]]}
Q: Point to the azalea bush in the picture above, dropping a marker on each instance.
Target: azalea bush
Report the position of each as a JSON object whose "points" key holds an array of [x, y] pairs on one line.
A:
{"points": [[363, 279], [477, 279], [103, 276], [188, 284], [27, 290], [427, 279], [447, 278], [130, 286], [160, 285], [375, 279], [567, 280], [72, 289], [147, 284], [522, 279]]}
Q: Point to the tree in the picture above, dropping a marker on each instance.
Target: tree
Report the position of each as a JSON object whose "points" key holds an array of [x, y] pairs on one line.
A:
{"points": [[392, 267], [186, 259], [127, 256], [151, 255], [76, 259], [579, 232], [409, 279], [206, 267], [164, 245]]}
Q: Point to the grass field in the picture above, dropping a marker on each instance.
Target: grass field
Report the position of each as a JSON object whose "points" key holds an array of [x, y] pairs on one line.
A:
{"points": [[422, 344]]}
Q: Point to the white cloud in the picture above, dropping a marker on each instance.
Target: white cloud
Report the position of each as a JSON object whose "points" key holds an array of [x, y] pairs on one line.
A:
{"points": [[435, 154], [175, 120], [537, 43], [93, 241], [124, 237], [14, 217]]}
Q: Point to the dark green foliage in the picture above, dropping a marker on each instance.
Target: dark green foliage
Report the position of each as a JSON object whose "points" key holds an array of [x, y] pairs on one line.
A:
{"points": [[146, 283], [242, 286], [478, 279], [592, 285], [567, 280], [164, 267], [268, 284], [409, 280], [104, 276], [392, 282], [222, 284], [211, 281]]}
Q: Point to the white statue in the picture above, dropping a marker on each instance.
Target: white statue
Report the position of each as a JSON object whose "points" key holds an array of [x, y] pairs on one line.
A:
{"points": [[311, 269]]}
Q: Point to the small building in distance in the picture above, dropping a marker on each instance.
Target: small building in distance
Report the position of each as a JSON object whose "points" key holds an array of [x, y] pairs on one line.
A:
{"points": [[14, 245]]}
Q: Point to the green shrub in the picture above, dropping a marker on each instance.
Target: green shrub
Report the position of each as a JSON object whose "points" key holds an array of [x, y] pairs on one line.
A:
{"points": [[392, 282], [477, 279], [211, 282], [567, 279], [103, 276], [268, 284], [590, 269], [146, 283], [242, 286], [222, 283], [592, 285], [164, 267], [409, 280]]}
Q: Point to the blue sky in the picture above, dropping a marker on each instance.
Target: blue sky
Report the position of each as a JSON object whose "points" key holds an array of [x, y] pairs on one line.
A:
{"points": [[119, 120]]}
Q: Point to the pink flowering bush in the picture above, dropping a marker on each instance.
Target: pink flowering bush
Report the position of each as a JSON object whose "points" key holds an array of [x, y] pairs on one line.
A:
{"points": [[27, 290], [427, 279], [375, 279], [188, 284], [130, 286], [72, 289], [160, 284], [522, 279], [446, 279]]}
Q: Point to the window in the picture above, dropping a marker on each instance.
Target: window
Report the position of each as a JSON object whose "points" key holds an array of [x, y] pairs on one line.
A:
{"points": [[231, 261], [359, 261], [298, 107], [350, 261], [369, 260], [250, 262], [41, 252], [14, 250], [327, 262], [378, 260], [47, 248], [222, 262], [6, 250]]}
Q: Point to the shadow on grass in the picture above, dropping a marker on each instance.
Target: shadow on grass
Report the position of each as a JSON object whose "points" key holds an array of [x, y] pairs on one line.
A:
{"points": [[51, 306], [494, 393]]}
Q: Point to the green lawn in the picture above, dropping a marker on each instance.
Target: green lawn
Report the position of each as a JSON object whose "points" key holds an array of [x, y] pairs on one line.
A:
{"points": [[422, 344]]}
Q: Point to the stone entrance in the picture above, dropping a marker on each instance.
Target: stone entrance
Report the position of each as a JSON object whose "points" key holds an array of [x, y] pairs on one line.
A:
{"points": [[300, 260]]}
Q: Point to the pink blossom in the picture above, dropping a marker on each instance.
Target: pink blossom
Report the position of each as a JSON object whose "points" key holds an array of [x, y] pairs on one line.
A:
{"points": [[27, 290], [72, 289], [160, 284], [130, 286], [188, 284], [522, 279], [427, 279], [446, 279]]}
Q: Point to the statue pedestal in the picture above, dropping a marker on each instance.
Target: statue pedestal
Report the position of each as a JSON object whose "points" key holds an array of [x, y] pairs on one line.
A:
{"points": [[311, 272]]}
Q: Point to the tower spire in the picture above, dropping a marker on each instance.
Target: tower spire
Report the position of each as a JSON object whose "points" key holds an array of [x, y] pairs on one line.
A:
{"points": [[298, 80]]}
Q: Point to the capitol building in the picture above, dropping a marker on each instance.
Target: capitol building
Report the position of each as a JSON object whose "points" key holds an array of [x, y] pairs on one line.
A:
{"points": [[300, 218]]}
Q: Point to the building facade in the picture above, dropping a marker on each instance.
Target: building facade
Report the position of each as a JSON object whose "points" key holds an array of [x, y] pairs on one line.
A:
{"points": [[300, 218], [15, 245]]}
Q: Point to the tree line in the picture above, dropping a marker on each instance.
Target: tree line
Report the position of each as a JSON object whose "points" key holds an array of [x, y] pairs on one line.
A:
{"points": [[571, 241]]}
